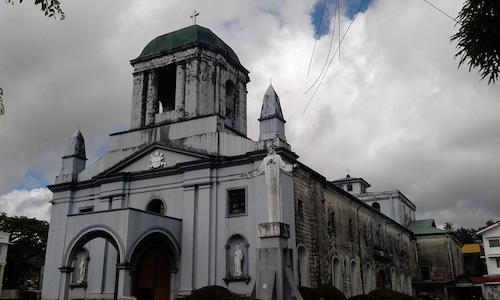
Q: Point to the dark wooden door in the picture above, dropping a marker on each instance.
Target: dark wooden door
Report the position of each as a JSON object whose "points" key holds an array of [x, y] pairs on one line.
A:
{"points": [[152, 276]]}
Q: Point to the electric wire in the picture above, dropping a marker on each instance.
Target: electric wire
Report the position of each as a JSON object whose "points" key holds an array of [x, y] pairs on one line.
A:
{"points": [[336, 9], [340, 29], [440, 10], [317, 37], [322, 76]]}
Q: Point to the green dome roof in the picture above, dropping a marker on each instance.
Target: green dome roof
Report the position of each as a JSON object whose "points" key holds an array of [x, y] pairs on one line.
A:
{"points": [[191, 36]]}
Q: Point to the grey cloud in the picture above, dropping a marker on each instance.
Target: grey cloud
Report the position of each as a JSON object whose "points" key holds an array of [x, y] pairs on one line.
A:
{"points": [[395, 109]]}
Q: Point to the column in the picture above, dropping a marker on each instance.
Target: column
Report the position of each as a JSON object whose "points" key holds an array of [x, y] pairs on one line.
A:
{"points": [[138, 99], [217, 88], [124, 282], [180, 85], [241, 111], [192, 87], [66, 272], [188, 245], [152, 98], [202, 266]]}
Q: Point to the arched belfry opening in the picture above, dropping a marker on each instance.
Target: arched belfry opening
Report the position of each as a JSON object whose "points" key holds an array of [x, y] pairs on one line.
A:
{"points": [[189, 74], [166, 87]]}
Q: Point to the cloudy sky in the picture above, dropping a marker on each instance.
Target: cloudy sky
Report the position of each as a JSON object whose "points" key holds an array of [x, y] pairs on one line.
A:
{"points": [[394, 109]]}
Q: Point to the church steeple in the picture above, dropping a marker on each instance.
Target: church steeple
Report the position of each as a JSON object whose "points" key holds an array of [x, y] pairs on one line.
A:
{"points": [[74, 158], [272, 123]]}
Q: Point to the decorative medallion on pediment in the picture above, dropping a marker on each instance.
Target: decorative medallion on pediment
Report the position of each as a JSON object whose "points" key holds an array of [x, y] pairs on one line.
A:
{"points": [[157, 160]]}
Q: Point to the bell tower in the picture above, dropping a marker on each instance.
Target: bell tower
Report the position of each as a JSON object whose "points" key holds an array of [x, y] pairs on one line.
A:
{"points": [[188, 74]]}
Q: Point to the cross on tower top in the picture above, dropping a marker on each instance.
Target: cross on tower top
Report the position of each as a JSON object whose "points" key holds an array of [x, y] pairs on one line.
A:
{"points": [[194, 15]]}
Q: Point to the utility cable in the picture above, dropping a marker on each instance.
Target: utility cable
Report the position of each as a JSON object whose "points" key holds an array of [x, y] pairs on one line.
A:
{"points": [[440, 10], [317, 37], [322, 76]]}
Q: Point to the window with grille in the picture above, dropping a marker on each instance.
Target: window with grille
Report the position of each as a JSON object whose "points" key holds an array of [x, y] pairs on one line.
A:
{"points": [[494, 243], [236, 201]]}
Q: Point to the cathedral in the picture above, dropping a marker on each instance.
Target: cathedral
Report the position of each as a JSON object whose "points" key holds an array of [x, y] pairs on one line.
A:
{"points": [[184, 199]]}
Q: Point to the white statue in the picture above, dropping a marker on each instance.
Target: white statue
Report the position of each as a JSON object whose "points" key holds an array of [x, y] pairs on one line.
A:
{"points": [[271, 166], [238, 262], [82, 270]]}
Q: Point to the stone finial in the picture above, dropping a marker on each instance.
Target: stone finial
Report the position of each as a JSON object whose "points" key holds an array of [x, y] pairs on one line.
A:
{"points": [[76, 146]]}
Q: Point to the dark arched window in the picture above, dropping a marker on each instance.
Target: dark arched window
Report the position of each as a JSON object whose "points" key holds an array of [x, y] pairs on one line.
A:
{"points": [[156, 206], [349, 187], [376, 205]]}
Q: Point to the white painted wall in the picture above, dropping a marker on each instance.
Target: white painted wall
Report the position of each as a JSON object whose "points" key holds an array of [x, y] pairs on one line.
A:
{"points": [[491, 253]]}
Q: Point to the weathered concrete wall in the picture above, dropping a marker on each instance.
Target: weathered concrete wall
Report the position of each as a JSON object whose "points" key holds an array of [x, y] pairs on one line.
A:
{"points": [[441, 254], [365, 245]]}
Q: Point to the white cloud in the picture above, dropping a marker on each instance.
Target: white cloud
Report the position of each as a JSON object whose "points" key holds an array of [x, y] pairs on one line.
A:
{"points": [[30, 203]]}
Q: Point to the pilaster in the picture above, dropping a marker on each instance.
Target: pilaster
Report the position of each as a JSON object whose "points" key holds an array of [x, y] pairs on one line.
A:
{"points": [[151, 98], [180, 87]]}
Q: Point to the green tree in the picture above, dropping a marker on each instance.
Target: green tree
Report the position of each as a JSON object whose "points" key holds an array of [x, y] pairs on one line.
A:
{"points": [[51, 8], [479, 37], [466, 235], [448, 227], [26, 254]]}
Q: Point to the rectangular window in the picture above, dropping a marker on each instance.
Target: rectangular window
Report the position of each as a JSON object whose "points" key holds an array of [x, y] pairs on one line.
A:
{"points": [[498, 262], [86, 209], [236, 201], [494, 243]]}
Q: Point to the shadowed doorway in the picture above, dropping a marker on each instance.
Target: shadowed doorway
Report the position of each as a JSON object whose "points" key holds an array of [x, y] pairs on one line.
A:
{"points": [[152, 268]]}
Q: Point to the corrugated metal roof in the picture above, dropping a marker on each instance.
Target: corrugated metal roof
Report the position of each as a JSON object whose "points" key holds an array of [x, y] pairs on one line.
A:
{"points": [[427, 226]]}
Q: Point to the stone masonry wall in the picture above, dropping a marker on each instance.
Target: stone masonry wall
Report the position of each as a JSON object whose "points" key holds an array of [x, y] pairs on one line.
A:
{"points": [[372, 250]]}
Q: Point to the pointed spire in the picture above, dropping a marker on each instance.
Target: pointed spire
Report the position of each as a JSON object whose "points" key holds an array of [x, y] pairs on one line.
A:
{"points": [[272, 123], [76, 146], [271, 107]]}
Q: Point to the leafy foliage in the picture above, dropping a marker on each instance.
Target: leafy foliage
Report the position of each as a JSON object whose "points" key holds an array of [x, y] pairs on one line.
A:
{"points": [[448, 227], [386, 294], [214, 292], [479, 37], [26, 254], [466, 235], [325, 292], [51, 8], [329, 292], [308, 293]]}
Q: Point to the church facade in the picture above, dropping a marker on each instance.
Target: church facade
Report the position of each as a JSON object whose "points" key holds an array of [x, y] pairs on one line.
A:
{"points": [[183, 200]]}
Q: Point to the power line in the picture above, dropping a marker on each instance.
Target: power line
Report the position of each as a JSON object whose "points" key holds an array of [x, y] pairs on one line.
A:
{"points": [[440, 10], [317, 36], [322, 76], [330, 47], [338, 10]]}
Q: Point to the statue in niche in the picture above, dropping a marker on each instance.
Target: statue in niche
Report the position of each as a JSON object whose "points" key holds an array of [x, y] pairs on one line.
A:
{"points": [[82, 268], [271, 166], [238, 262]]}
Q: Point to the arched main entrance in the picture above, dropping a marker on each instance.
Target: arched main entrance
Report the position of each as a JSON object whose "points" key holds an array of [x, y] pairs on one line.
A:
{"points": [[152, 263]]}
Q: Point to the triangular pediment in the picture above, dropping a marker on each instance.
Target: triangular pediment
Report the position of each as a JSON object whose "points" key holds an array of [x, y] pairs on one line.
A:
{"points": [[154, 157]]}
